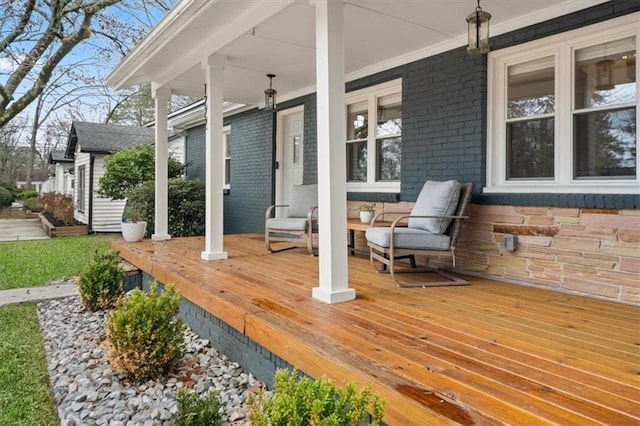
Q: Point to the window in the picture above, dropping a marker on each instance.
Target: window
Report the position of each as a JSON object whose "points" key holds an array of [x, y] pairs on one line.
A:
{"points": [[81, 186], [227, 156], [563, 112], [374, 152]]}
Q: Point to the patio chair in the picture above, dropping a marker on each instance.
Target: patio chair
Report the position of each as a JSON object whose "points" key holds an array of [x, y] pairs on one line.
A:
{"points": [[300, 224], [432, 229]]}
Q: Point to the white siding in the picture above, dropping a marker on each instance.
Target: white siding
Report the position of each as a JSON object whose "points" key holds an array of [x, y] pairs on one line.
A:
{"points": [[107, 213], [81, 159], [176, 148]]}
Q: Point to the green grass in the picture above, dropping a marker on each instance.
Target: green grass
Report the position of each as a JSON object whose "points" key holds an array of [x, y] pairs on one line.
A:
{"points": [[25, 393], [36, 262]]}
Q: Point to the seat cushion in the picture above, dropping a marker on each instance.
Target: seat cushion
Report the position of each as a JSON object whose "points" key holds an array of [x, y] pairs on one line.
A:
{"points": [[408, 238], [287, 223], [435, 199], [303, 197]]}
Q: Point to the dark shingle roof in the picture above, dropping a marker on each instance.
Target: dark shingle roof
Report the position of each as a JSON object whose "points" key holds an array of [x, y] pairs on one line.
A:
{"points": [[106, 138], [58, 156]]}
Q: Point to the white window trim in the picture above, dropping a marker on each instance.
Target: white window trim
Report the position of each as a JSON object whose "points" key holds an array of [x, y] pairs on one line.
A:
{"points": [[226, 130], [562, 47], [370, 94]]}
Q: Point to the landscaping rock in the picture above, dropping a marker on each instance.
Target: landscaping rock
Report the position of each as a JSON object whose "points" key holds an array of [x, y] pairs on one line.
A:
{"points": [[88, 392]]}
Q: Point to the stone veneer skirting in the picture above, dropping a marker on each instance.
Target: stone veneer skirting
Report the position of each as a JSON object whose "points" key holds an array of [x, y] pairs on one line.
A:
{"points": [[585, 251]]}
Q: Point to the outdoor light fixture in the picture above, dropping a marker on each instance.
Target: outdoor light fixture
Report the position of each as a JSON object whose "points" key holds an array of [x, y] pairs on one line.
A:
{"points": [[270, 95], [478, 27], [604, 69]]}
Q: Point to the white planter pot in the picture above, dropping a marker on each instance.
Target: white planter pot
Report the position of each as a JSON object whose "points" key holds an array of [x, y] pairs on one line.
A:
{"points": [[366, 217], [133, 231]]}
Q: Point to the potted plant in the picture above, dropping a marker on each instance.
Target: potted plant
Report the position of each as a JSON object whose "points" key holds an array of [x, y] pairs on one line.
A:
{"points": [[133, 227], [366, 212]]}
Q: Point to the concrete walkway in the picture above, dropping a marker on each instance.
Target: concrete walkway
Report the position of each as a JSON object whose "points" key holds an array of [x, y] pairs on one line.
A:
{"points": [[21, 229], [36, 294]]}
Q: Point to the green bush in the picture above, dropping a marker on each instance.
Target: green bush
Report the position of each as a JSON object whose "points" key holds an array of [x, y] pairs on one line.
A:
{"points": [[28, 193], [302, 402], [144, 335], [101, 280], [197, 411], [186, 202], [6, 197], [132, 167], [32, 204]]}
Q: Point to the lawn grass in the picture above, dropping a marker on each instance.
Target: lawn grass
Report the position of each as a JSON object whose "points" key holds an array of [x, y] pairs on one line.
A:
{"points": [[36, 262], [25, 393]]}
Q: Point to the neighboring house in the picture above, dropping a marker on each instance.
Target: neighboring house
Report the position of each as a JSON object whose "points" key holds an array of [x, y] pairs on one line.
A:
{"points": [[62, 179], [38, 178], [88, 145], [545, 124]]}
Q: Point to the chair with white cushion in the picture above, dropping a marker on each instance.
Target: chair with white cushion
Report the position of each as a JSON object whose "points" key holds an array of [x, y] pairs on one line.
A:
{"points": [[300, 224], [432, 229]]}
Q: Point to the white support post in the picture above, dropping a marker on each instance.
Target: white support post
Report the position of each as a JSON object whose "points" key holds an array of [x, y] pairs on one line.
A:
{"points": [[214, 158], [161, 227], [333, 286]]}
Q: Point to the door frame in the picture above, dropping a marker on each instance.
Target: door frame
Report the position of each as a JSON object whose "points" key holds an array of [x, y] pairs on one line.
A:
{"points": [[280, 147]]}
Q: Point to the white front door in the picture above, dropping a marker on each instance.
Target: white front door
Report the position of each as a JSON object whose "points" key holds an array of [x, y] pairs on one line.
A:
{"points": [[289, 153]]}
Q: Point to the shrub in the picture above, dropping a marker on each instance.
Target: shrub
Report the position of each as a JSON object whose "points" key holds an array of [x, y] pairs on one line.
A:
{"points": [[314, 402], [186, 199], [32, 204], [132, 167], [101, 280], [28, 193], [6, 197], [144, 335], [59, 205], [197, 411]]}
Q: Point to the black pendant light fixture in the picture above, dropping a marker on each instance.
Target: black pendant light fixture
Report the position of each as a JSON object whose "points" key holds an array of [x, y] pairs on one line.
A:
{"points": [[270, 95], [478, 27]]}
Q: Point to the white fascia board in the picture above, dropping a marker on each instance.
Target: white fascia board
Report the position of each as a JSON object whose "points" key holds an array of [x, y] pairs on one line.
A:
{"points": [[172, 23]]}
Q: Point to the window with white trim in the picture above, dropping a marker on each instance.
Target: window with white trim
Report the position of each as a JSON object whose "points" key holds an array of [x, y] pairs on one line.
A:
{"points": [[563, 112], [226, 141], [81, 189], [374, 152]]}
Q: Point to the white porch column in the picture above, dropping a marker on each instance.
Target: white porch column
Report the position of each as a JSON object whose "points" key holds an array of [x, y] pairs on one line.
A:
{"points": [[332, 196], [214, 160], [161, 228]]}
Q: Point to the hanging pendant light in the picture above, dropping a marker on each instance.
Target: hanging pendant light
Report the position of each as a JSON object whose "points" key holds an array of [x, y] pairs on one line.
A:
{"points": [[478, 27], [270, 95], [604, 76]]}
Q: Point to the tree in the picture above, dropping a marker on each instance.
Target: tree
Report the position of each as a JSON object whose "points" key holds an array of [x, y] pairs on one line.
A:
{"points": [[37, 35]]}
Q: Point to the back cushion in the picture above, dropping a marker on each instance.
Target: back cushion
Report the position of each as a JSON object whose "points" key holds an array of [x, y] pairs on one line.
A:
{"points": [[303, 197], [435, 199]]}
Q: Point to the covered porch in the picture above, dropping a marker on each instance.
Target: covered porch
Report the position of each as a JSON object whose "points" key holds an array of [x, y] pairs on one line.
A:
{"points": [[488, 353]]}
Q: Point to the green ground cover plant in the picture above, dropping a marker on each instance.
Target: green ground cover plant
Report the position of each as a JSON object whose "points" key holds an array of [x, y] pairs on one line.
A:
{"points": [[25, 394], [195, 410], [302, 401], [34, 263]]}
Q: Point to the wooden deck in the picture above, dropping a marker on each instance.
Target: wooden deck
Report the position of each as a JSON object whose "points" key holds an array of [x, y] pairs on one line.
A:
{"points": [[488, 353]]}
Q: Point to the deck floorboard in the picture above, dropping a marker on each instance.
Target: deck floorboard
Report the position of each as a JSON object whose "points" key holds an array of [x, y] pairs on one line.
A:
{"points": [[488, 353]]}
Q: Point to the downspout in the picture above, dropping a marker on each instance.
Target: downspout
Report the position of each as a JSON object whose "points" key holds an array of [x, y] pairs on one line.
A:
{"points": [[92, 160]]}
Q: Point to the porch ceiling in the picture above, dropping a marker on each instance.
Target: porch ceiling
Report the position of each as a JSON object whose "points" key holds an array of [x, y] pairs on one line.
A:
{"points": [[278, 36]]}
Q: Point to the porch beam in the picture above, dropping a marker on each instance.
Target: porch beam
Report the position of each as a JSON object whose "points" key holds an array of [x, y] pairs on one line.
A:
{"points": [[333, 286], [161, 224], [214, 159]]}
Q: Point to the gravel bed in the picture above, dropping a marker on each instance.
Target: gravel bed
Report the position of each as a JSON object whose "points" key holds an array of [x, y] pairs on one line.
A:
{"points": [[88, 392]]}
